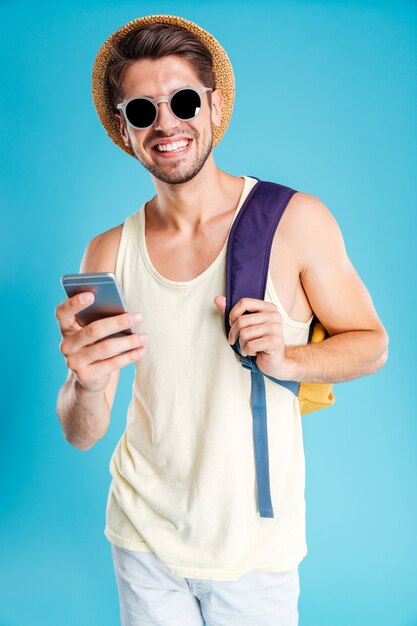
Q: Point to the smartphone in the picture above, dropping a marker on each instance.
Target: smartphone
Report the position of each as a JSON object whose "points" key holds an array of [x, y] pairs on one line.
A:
{"points": [[108, 298]]}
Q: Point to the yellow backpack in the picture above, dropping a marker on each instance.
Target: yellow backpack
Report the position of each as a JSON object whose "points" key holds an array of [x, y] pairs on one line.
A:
{"points": [[313, 396]]}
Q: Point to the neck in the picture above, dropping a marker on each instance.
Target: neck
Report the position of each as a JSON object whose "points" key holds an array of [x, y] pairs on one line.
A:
{"points": [[186, 207]]}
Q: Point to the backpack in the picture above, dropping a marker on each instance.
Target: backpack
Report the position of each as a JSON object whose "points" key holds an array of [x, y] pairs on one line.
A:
{"points": [[247, 263]]}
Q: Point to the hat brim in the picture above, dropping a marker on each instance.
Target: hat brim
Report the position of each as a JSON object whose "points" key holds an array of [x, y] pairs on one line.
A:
{"points": [[222, 69]]}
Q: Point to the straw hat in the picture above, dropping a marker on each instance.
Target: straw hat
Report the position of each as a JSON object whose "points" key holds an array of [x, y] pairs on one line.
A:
{"points": [[222, 68]]}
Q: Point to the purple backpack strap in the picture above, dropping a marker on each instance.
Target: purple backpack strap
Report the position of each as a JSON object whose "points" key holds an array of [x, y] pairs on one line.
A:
{"points": [[247, 263], [250, 242]]}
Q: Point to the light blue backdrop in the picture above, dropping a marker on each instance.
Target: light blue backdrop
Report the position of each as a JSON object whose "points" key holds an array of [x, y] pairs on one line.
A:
{"points": [[326, 103]]}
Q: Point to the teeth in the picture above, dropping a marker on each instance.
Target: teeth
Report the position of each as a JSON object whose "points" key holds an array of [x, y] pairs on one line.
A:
{"points": [[171, 147]]}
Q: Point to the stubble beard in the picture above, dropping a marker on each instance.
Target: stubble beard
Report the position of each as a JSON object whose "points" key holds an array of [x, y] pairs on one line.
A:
{"points": [[177, 178]]}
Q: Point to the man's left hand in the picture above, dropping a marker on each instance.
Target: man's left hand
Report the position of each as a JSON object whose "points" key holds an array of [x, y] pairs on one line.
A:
{"points": [[259, 332]]}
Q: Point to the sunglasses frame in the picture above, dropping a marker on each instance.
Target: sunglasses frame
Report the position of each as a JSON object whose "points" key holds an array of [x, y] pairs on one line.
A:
{"points": [[122, 105]]}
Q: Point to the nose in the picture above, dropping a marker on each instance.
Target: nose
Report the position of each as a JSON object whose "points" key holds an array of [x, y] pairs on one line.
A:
{"points": [[165, 120]]}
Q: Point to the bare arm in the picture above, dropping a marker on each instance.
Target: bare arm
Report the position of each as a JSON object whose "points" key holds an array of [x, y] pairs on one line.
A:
{"points": [[84, 415], [358, 342], [85, 400]]}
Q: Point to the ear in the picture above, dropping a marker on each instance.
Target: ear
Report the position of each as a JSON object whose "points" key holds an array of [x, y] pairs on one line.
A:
{"points": [[216, 106], [123, 129]]}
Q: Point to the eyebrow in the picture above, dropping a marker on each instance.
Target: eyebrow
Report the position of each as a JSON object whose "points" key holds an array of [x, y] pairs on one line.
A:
{"points": [[172, 91]]}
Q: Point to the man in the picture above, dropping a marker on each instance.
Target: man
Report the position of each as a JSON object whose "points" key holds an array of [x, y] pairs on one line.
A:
{"points": [[188, 544]]}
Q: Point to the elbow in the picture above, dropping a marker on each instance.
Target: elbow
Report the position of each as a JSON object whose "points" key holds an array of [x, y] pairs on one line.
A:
{"points": [[378, 360], [80, 444], [382, 359], [384, 355]]}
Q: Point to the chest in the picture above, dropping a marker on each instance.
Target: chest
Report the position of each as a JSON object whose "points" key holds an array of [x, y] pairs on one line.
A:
{"points": [[182, 260]]}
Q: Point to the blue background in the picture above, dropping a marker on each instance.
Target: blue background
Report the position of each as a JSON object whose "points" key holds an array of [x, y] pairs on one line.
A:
{"points": [[325, 103]]}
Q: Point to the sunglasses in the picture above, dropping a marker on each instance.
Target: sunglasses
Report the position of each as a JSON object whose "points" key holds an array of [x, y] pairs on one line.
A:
{"points": [[184, 103]]}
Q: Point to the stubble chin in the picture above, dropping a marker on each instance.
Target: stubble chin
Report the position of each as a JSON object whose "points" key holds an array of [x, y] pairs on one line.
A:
{"points": [[184, 172]]}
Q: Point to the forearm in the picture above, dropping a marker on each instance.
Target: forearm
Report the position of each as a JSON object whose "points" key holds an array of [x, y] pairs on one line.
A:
{"points": [[84, 416], [338, 358]]}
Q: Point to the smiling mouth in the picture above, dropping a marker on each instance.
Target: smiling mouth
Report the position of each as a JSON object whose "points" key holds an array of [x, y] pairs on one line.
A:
{"points": [[170, 150], [167, 147]]}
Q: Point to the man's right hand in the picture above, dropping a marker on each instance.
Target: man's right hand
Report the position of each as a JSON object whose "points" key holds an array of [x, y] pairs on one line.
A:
{"points": [[92, 363]]}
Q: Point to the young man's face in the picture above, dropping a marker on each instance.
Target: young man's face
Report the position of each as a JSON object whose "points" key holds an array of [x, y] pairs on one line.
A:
{"points": [[154, 78]]}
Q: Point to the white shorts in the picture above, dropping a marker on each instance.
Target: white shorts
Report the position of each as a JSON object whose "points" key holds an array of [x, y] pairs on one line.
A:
{"points": [[149, 593]]}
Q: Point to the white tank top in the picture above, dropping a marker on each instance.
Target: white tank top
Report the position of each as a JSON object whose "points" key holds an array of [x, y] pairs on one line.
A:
{"points": [[184, 479]]}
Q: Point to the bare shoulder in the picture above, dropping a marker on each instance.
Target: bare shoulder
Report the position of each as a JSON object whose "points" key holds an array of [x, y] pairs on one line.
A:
{"points": [[334, 289], [305, 211], [101, 253], [307, 225]]}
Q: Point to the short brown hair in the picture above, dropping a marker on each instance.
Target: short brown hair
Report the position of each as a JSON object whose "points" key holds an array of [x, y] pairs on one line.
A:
{"points": [[153, 42]]}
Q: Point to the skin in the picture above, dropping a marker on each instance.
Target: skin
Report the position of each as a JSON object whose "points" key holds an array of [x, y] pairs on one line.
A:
{"points": [[189, 218]]}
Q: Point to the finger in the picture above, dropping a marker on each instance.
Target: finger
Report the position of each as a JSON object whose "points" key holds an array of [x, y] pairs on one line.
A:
{"points": [[67, 309], [105, 367], [99, 329], [252, 319], [254, 333], [267, 343], [251, 305], [110, 347]]}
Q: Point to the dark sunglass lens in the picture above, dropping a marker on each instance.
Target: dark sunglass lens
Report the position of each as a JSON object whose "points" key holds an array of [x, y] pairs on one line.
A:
{"points": [[186, 104], [140, 112]]}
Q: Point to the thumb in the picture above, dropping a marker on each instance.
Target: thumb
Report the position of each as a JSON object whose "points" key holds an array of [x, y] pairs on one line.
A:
{"points": [[220, 302]]}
